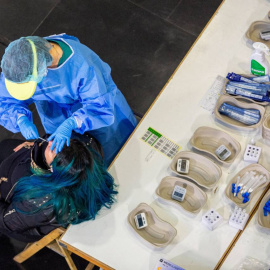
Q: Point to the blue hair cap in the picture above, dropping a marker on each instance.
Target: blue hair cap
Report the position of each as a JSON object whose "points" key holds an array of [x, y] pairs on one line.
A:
{"points": [[18, 61]]}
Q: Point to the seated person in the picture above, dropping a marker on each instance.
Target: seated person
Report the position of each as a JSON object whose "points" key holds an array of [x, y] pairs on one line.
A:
{"points": [[41, 190]]}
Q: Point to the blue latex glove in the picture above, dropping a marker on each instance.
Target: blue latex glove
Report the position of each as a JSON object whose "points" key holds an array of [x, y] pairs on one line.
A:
{"points": [[62, 134], [27, 128]]}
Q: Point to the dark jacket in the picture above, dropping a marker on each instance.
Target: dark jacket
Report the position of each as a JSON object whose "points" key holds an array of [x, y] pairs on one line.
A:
{"points": [[22, 225]]}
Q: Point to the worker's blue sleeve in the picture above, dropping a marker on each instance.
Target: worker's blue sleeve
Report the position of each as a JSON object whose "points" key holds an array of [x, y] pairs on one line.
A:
{"points": [[10, 108], [96, 94]]}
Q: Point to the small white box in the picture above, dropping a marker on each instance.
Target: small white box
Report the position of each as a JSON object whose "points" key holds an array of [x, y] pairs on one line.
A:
{"points": [[178, 193], [212, 219], [252, 153], [223, 152], [238, 218], [182, 165], [141, 221]]}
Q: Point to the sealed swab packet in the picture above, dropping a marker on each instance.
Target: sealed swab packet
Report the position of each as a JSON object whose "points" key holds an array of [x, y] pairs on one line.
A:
{"points": [[252, 112], [246, 87], [232, 89], [246, 93], [245, 116], [261, 79], [240, 78], [261, 89]]}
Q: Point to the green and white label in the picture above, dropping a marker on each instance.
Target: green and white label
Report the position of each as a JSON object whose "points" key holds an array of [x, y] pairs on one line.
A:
{"points": [[257, 68], [160, 143]]}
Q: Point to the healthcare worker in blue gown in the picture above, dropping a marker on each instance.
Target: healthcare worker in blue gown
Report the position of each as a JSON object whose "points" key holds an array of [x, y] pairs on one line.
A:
{"points": [[72, 89]]}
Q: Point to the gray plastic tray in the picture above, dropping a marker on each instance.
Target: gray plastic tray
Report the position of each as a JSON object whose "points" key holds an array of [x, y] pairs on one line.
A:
{"points": [[253, 32], [263, 103], [207, 140], [238, 200], [202, 170], [194, 199], [159, 233], [233, 123]]}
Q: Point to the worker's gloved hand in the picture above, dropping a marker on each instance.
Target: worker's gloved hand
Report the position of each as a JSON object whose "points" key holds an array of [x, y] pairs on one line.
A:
{"points": [[62, 134], [27, 128]]}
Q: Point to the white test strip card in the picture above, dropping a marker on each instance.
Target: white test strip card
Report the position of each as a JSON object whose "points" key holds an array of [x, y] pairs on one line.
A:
{"points": [[160, 143]]}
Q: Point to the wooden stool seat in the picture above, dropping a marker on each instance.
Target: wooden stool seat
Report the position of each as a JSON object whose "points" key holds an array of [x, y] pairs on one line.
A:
{"points": [[51, 241]]}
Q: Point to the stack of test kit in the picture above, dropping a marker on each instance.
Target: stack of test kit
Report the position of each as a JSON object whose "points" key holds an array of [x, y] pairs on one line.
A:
{"points": [[241, 106], [254, 88], [238, 114], [246, 116]]}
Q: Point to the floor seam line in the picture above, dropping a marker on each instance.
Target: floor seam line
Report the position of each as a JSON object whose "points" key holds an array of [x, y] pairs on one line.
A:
{"points": [[45, 18], [165, 20], [174, 9]]}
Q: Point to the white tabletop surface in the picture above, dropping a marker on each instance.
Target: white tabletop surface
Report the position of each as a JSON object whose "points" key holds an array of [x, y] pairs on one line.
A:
{"points": [[253, 247], [176, 114]]}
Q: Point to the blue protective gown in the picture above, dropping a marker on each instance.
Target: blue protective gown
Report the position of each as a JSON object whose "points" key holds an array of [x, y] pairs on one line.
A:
{"points": [[82, 86]]}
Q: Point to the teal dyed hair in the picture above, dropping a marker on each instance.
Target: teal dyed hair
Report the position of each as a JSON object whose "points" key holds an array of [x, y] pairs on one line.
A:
{"points": [[78, 186]]}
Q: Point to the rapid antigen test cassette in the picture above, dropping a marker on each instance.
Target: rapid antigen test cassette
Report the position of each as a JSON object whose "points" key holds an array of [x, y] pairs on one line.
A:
{"points": [[140, 221], [178, 193], [223, 152], [182, 165]]}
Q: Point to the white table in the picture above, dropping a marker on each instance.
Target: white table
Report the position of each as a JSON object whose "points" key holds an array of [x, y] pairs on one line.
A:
{"points": [[176, 114], [253, 244]]}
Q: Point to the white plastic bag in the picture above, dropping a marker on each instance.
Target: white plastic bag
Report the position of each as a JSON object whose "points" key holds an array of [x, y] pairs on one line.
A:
{"points": [[252, 264]]}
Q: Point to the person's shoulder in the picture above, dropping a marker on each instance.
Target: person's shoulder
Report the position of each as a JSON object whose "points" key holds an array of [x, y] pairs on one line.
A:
{"points": [[63, 36], [71, 41], [3, 89]]}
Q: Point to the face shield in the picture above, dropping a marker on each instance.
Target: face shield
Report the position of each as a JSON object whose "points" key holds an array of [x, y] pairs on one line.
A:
{"points": [[24, 65]]}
